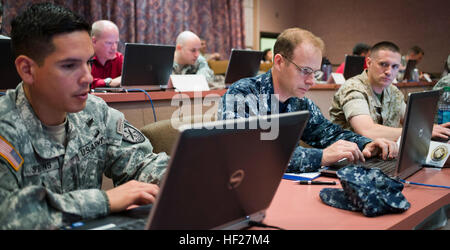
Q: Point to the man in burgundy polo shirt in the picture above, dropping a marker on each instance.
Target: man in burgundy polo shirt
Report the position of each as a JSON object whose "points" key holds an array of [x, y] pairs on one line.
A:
{"points": [[107, 62]]}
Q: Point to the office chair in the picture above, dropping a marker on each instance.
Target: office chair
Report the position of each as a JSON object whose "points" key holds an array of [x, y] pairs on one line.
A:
{"points": [[163, 135]]}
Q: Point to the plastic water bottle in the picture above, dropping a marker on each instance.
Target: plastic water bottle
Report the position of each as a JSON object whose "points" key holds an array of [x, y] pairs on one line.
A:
{"points": [[326, 69], [415, 76], [444, 106]]}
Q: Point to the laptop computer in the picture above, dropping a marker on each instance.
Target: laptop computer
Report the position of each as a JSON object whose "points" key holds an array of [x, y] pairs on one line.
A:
{"points": [[242, 64], [8, 72], [414, 142], [220, 176], [145, 66], [354, 65]]}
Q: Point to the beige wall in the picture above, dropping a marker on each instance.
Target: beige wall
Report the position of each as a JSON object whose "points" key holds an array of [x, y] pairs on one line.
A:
{"points": [[342, 24]]}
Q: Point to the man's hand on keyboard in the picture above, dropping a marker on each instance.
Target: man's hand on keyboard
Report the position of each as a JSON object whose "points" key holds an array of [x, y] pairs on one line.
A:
{"points": [[386, 148], [131, 193], [342, 149]]}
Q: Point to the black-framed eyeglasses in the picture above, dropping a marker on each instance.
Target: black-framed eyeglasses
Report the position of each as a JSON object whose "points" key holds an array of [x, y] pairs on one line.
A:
{"points": [[306, 71]]}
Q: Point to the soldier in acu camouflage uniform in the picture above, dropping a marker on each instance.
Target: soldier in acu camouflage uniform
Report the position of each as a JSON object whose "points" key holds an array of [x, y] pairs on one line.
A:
{"points": [[369, 104], [298, 55], [56, 140]]}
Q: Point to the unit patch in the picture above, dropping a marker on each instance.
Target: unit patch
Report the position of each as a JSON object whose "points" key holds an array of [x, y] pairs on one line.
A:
{"points": [[131, 134]]}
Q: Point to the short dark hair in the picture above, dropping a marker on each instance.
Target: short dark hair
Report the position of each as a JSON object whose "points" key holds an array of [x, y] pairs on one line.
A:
{"points": [[416, 50], [360, 48], [385, 45], [33, 30]]}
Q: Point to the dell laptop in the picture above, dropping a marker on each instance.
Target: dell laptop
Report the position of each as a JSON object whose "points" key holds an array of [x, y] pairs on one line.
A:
{"points": [[222, 175], [415, 139], [242, 64], [145, 67]]}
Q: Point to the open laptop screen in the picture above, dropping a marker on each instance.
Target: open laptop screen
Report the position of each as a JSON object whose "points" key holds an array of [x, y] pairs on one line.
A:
{"points": [[222, 177], [416, 134], [242, 64], [9, 76], [354, 65], [147, 65]]}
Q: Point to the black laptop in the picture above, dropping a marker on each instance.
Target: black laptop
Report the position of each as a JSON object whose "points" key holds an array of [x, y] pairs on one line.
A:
{"points": [[145, 67], [242, 64], [354, 65], [415, 139], [8, 73], [222, 175]]}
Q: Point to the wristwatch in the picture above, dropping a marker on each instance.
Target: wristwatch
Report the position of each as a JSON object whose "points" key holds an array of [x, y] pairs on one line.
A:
{"points": [[108, 81]]}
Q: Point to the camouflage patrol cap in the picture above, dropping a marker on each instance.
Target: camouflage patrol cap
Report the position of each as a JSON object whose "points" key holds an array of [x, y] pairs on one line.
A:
{"points": [[367, 190]]}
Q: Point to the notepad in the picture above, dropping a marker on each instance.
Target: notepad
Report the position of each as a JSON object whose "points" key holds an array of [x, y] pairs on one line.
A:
{"points": [[189, 82], [301, 176]]}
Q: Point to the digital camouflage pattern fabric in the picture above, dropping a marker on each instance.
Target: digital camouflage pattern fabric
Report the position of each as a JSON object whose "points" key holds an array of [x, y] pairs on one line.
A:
{"points": [[356, 97], [367, 190], [56, 184], [200, 67]]}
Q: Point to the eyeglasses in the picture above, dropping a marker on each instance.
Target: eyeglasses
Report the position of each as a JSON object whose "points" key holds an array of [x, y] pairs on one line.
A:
{"points": [[307, 71]]}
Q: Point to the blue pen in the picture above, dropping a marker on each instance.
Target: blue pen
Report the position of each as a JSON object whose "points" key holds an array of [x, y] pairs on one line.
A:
{"points": [[317, 182]]}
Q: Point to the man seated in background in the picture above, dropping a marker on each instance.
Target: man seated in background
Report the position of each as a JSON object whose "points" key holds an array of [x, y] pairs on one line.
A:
{"points": [[208, 56], [267, 56], [107, 62], [369, 104], [187, 58], [296, 66], [414, 53], [57, 140], [360, 49]]}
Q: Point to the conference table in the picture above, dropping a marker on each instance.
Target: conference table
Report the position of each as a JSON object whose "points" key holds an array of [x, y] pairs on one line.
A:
{"points": [[300, 207], [138, 110]]}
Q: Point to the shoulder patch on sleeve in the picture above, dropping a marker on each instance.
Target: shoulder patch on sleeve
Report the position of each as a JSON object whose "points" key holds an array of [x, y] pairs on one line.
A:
{"points": [[132, 134], [9, 153]]}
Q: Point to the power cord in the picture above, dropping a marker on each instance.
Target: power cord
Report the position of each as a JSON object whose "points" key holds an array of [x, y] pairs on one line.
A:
{"points": [[260, 224], [422, 184], [145, 92]]}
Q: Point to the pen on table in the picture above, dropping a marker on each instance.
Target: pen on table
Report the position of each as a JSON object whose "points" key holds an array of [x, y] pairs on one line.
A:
{"points": [[317, 182]]}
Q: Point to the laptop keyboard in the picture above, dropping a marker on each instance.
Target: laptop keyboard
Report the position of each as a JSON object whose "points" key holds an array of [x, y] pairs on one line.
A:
{"points": [[386, 166], [133, 225]]}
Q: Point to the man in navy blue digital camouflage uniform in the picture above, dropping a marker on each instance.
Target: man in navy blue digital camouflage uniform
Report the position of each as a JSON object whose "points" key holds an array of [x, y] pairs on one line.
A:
{"points": [[297, 60]]}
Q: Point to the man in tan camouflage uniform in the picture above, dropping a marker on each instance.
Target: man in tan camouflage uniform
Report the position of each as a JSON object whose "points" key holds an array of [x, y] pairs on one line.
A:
{"points": [[369, 104], [56, 140]]}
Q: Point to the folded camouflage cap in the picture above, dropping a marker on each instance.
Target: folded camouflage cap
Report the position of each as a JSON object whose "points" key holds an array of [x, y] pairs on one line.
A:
{"points": [[367, 190]]}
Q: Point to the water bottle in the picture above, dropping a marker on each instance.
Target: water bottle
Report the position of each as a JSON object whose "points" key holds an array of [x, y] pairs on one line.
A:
{"points": [[444, 107], [326, 69], [415, 75]]}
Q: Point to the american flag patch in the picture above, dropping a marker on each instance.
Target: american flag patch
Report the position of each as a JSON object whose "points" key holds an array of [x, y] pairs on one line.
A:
{"points": [[10, 154]]}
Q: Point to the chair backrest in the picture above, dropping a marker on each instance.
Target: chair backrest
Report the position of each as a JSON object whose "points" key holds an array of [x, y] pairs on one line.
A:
{"points": [[163, 135], [219, 67], [264, 67]]}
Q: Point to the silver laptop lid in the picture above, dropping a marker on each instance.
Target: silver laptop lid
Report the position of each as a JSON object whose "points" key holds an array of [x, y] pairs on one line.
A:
{"points": [[220, 176], [147, 66], [242, 64], [416, 133]]}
